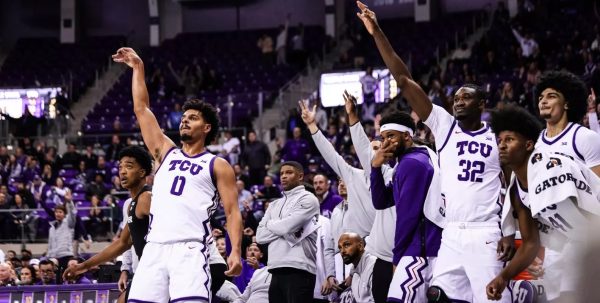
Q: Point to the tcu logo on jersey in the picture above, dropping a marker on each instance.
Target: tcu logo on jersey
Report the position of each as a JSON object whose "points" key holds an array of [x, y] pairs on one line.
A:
{"points": [[474, 147], [185, 165]]}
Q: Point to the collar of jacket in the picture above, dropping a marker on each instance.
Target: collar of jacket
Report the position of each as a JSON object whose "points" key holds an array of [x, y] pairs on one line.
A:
{"points": [[294, 190], [362, 263]]}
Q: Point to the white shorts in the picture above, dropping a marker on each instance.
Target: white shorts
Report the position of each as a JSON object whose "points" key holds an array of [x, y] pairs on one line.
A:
{"points": [[412, 278], [171, 273], [467, 261]]}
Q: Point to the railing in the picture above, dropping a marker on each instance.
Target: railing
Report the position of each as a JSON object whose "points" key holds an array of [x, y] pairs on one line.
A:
{"points": [[74, 293], [22, 225]]}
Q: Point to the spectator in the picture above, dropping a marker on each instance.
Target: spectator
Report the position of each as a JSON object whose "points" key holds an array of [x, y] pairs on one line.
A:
{"points": [[231, 148], [102, 168], [89, 158], [221, 246], [13, 167], [47, 272], [175, 117], [528, 44], [38, 189], [25, 257], [321, 115], [490, 64], [27, 276], [71, 158], [97, 223], [268, 190], [327, 199], [6, 278], [252, 262], [240, 174], [31, 169], [56, 193], [369, 87], [60, 236], [112, 152], [297, 149], [265, 44], [244, 196], [256, 157], [507, 95], [7, 227], [281, 47], [96, 188], [24, 218], [82, 172], [48, 175], [298, 54]]}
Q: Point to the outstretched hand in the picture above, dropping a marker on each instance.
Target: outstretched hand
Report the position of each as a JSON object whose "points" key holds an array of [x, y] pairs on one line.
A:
{"points": [[350, 105], [128, 56], [308, 115], [368, 18]]}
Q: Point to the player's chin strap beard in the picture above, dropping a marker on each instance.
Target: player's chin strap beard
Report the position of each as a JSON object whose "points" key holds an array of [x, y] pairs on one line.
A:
{"points": [[186, 137]]}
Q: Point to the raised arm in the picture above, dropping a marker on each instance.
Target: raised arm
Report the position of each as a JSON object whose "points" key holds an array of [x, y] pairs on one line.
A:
{"points": [[397, 67], [157, 142], [331, 156], [227, 191], [525, 254]]}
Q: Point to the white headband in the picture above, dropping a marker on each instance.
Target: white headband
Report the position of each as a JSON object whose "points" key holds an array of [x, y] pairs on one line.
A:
{"points": [[397, 127]]}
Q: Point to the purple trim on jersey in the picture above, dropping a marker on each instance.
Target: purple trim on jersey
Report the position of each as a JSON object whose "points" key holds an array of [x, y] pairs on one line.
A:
{"points": [[211, 168], [206, 254], [411, 278], [575, 145], [193, 298], [165, 157], [564, 132], [196, 156], [447, 136], [138, 301], [477, 132]]}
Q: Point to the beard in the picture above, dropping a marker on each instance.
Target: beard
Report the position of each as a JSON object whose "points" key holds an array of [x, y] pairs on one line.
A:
{"points": [[186, 137], [401, 149]]}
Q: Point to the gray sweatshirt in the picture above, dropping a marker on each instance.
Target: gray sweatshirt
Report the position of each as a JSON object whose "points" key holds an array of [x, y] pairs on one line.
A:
{"points": [[60, 236], [381, 239], [362, 279], [257, 290], [286, 217]]}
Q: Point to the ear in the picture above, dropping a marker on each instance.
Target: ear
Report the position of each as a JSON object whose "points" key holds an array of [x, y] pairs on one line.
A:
{"points": [[529, 145], [207, 128]]}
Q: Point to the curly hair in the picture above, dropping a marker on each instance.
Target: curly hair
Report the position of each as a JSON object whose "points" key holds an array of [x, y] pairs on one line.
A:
{"points": [[209, 114], [516, 119], [571, 87], [141, 156]]}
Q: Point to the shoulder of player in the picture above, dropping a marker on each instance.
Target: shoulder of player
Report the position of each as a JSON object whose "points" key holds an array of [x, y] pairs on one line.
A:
{"points": [[586, 136], [220, 166], [415, 160]]}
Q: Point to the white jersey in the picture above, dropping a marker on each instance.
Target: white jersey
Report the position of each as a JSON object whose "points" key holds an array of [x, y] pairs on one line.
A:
{"points": [[184, 196], [469, 169], [575, 141]]}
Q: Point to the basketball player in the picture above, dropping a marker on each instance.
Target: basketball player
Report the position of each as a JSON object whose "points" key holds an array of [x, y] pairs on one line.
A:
{"points": [[517, 130], [470, 182], [563, 194], [563, 103], [186, 192], [135, 164], [417, 239]]}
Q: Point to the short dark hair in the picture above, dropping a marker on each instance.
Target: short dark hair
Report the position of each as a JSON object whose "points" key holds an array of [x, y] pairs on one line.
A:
{"points": [[480, 93], [571, 87], [46, 262], [294, 164], [61, 207], [516, 119], [141, 156], [398, 117], [209, 114]]}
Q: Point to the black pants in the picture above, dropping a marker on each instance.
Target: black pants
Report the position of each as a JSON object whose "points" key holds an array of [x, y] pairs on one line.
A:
{"points": [[217, 276], [291, 285], [383, 272]]}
